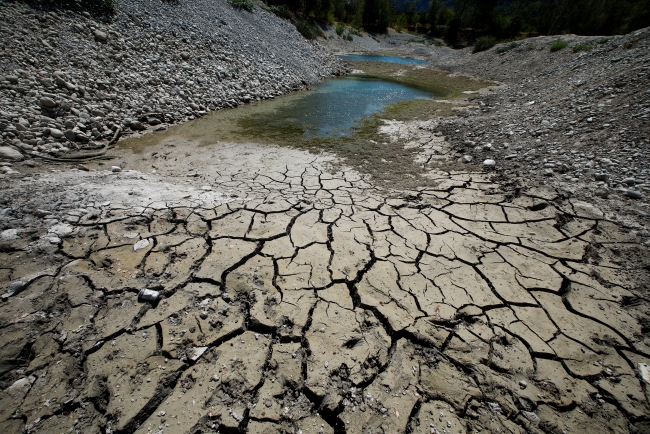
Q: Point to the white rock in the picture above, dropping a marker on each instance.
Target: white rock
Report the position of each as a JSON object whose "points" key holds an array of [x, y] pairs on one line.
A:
{"points": [[10, 234], [61, 230], [140, 245], [489, 163], [116, 169]]}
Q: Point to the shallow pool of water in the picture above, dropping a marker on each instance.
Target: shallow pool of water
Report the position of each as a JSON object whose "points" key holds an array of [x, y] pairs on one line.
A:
{"points": [[385, 59], [332, 108]]}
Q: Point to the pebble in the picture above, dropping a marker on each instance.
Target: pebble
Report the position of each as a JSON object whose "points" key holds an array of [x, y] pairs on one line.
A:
{"points": [[633, 194], [116, 169], [9, 153], [467, 159], [489, 163]]}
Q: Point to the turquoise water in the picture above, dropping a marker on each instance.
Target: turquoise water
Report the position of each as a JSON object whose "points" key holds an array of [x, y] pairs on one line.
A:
{"points": [[332, 108], [387, 59]]}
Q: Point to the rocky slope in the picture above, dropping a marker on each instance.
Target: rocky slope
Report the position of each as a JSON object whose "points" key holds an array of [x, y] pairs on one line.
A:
{"points": [[68, 78]]}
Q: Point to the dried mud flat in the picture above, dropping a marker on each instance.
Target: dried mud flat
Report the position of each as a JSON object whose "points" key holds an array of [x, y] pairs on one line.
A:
{"points": [[298, 298]]}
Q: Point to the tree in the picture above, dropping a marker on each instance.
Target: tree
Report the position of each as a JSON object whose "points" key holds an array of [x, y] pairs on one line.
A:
{"points": [[432, 15], [376, 15]]}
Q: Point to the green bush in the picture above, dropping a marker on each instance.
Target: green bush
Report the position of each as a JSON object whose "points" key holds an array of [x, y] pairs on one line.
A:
{"points": [[306, 30], [559, 45], [506, 48], [484, 43], [603, 40], [355, 32], [349, 37], [242, 4], [280, 11], [340, 28], [581, 47]]}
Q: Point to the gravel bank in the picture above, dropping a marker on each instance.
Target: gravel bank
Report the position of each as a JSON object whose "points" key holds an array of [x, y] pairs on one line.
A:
{"points": [[70, 80]]}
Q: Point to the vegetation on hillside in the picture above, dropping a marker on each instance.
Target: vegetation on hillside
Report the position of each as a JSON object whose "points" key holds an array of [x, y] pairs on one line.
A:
{"points": [[469, 20]]}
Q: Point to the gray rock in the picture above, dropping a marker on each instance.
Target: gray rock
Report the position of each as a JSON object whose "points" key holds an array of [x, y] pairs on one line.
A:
{"points": [[116, 169], [56, 133], [9, 153], [629, 181], [602, 192], [137, 126], [467, 159], [489, 163], [48, 102], [70, 135], [601, 177], [100, 36], [14, 289], [633, 194]]}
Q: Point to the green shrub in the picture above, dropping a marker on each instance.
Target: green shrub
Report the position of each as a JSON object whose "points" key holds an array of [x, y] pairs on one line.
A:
{"points": [[506, 48], [355, 32], [582, 47], [280, 11], [603, 40], [306, 30], [340, 28], [559, 45], [530, 47], [349, 37], [242, 4], [484, 43]]}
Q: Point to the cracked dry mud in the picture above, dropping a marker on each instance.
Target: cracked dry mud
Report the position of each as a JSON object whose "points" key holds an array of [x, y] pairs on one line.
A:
{"points": [[296, 298]]}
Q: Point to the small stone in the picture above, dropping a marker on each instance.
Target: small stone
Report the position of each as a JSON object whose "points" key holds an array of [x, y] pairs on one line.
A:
{"points": [[601, 177], [522, 384], [116, 169], [57, 134], [467, 159], [629, 181], [48, 102], [489, 163], [100, 36], [61, 230], [70, 135], [602, 192], [9, 153], [141, 245], [14, 289], [633, 194]]}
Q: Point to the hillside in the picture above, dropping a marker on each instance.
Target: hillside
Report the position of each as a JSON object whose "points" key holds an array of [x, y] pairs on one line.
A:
{"points": [[150, 65]]}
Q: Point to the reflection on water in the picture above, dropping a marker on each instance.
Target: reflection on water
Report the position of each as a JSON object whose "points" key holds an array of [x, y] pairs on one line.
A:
{"points": [[331, 109], [386, 59]]}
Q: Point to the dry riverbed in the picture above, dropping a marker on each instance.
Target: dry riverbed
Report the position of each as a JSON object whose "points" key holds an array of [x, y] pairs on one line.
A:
{"points": [[400, 291]]}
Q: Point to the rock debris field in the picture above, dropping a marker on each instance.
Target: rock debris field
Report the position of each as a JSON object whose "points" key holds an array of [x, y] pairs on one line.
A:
{"points": [[248, 288]]}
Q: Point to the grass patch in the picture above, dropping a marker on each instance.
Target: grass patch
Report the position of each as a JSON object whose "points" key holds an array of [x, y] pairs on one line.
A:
{"points": [[340, 28], [484, 43], [243, 4], [582, 47], [306, 30], [280, 11], [558, 45], [630, 43], [603, 40], [506, 48]]}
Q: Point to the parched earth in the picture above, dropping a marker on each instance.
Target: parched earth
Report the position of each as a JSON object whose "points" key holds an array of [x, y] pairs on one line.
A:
{"points": [[300, 298]]}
